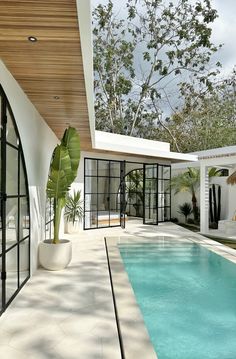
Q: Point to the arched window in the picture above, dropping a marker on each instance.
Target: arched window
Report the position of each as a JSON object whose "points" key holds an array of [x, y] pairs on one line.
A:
{"points": [[14, 207]]}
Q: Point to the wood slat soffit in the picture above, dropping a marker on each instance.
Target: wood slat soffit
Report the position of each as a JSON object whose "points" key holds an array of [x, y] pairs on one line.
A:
{"points": [[50, 70]]}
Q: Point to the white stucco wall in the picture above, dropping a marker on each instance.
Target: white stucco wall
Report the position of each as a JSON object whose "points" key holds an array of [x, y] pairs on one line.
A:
{"points": [[38, 142]]}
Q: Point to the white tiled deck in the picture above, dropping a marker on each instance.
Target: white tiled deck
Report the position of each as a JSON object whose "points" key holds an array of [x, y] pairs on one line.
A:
{"points": [[70, 314]]}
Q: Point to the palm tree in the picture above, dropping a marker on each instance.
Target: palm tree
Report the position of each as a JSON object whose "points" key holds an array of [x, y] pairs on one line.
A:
{"points": [[189, 181]]}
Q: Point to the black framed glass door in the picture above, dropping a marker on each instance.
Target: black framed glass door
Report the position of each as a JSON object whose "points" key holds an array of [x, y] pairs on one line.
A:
{"points": [[103, 193], [150, 181], [122, 195], [14, 205], [157, 196]]}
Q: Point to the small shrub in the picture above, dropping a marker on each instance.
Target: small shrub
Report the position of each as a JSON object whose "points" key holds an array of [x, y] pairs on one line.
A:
{"points": [[174, 220], [185, 209]]}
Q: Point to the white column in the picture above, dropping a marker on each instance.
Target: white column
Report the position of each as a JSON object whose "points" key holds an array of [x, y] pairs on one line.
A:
{"points": [[204, 199]]}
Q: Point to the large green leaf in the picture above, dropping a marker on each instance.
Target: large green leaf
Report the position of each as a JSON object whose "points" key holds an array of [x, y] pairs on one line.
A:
{"points": [[57, 185], [60, 175], [71, 141]]}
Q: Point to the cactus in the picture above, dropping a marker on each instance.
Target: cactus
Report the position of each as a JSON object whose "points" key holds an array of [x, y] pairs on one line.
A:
{"points": [[214, 204], [210, 203], [219, 203]]}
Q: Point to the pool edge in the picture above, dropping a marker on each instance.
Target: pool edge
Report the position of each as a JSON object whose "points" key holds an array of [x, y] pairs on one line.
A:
{"points": [[135, 337]]}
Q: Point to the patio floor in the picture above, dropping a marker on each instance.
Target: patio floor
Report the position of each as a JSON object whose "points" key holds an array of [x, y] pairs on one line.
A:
{"points": [[70, 314]]}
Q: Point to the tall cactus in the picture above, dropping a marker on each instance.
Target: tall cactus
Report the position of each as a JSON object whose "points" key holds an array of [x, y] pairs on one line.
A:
{"points": [[219, 203], [215, 204], [210, 205]]}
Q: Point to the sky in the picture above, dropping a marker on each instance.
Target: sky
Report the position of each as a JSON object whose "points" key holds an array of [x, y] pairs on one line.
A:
{"points": [[224, 30]]}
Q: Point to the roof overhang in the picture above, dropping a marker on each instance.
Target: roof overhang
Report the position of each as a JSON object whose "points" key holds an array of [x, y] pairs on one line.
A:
{"points": [[140, 147], [55, 71]]}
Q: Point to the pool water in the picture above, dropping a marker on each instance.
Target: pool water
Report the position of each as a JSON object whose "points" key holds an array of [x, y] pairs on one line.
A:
{"points": [[187, 295]]}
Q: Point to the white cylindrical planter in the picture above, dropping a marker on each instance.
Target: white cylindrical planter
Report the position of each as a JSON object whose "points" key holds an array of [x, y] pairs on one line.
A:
{"points": [[55, 256]]}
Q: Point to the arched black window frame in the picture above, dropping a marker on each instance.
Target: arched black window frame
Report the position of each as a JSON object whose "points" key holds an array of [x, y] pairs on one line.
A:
{"points": [[5, 106]]}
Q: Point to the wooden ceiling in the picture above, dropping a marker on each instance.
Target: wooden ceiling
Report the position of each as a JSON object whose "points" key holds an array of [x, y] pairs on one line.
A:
{"points": [[50, 70]]}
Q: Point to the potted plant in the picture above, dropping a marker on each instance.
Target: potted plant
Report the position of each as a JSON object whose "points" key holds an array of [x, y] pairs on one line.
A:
{"points": [[55, 254], [73, 212]]}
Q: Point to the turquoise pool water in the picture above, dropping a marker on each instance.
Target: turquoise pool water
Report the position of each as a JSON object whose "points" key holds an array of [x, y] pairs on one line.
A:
{"points": [[187, 295]]}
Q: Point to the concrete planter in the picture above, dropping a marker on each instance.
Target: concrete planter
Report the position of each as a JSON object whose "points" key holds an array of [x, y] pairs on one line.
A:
{"points": [[55, 256]]}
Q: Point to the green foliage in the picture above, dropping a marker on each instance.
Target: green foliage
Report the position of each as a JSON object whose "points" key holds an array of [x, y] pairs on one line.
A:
{"points": [[185, 209], [137, 67], [206, 120], [62, 172], [74, 207], [189, 181]]}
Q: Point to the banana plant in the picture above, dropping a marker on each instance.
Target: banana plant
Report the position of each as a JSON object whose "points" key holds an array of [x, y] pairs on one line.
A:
{"points": [[63, 171]]}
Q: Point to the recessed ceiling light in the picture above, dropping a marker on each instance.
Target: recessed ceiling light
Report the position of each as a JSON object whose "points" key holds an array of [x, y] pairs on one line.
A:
{"points": [[32, 38], [56, 97]]}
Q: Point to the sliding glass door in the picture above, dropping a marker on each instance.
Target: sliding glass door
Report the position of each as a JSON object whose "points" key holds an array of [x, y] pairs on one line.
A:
{"points": [[14, 205]]}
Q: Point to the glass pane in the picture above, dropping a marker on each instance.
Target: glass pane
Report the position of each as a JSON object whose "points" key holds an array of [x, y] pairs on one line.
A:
{"points": [[24, 260], [90, 184], [22, 179], [11, 221], [149, 172], [91, 167], [47, 231], [24, 219], [90, 202], [161, 214], [12, 171], [150, 186], [103, 219], [103, 168], [114, 185], [161, 186], [103, 184], [167, 186], [161, 201], [90, 220], [160, 172], [11, 268], [11, 134], [115, 169], [48, 212], [103, 202], [166, 172], [114, 202]]}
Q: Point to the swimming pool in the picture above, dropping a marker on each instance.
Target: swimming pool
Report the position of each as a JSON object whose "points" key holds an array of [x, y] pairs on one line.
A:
{"points": [[187, 296]]}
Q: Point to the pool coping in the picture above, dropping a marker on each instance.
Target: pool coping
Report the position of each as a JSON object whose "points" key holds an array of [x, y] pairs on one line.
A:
{"points": [[136, 342], [135, 338]]}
